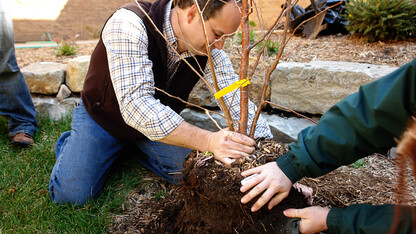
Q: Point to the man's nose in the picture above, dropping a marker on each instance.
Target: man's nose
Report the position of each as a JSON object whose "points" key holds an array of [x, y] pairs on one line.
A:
{"points": [[219, 44]]}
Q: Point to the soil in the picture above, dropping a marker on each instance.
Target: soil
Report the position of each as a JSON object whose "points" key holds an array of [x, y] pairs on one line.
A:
{"points": [[210, 189], [208, 199]]}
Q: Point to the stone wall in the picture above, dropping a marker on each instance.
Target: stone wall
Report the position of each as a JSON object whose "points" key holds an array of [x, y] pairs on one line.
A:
{"points": [[303, 87]]}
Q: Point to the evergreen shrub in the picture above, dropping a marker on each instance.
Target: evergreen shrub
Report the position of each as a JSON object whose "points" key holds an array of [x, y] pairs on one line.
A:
{"points": [[381, 19]]}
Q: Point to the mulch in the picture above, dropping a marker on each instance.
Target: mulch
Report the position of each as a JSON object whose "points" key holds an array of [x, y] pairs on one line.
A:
{"points": [[344, 48]]}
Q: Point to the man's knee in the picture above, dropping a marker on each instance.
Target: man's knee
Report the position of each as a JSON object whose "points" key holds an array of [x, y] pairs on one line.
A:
{"points": [[66, 195]]}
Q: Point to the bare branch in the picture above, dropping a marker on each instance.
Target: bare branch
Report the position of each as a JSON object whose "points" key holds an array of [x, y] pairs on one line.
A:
{"points": [[215, 122], [188, 103], [270, 70], [268, 35], [245, 37], [221, 101]]}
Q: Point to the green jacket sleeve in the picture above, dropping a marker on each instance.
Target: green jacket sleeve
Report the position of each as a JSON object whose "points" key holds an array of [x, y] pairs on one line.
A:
{"points": [[364, 218], [361, 124]]}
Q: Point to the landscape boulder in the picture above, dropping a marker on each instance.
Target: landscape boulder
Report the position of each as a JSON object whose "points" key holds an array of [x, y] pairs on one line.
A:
{"points": [[316, 86], [44, 77], [63, 92], [54, 109], [76, 71]]}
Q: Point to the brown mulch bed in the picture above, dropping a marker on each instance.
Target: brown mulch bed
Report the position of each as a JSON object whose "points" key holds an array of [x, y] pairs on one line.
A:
{"points": [[27, 56], [348, 48], [326, 48], [372, 182]]}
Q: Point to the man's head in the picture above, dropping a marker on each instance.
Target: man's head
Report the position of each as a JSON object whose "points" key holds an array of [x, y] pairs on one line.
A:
{"points": [[222, 19]]}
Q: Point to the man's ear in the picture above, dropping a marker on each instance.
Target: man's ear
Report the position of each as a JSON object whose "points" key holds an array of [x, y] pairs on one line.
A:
{"points": [[191, 14]]}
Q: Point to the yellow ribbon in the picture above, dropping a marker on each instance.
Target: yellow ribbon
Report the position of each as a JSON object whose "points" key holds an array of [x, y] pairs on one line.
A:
{"points": [[232, 87]]}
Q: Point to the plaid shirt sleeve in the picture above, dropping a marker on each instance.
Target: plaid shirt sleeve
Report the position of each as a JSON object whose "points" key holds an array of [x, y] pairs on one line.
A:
{"points": [[225, 74], [126, 41]]}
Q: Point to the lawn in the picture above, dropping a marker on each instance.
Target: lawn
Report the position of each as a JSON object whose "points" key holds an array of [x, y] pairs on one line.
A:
{"points": [[25, 205]]}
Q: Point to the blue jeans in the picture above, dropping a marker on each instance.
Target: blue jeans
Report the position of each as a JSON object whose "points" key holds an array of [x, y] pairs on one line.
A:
{"points": [[85, 154], [15, 100]]}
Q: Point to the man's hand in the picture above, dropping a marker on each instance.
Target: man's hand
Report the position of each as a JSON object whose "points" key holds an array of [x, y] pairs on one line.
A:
{"points": [[313, 219], [227, 146], [270, 181]]}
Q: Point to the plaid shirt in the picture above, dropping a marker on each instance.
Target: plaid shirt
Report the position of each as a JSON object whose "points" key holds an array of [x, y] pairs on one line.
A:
{"points": [[126, 41]]}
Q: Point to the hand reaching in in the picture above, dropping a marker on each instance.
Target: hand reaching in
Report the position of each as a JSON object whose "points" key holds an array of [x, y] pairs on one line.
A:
{"points": [[313, 219], [270, 181]]}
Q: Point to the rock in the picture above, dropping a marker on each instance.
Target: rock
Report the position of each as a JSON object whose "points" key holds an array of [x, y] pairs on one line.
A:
{"points": [[63, 93], [200, 119], [201, 96], [304, 87], [392, 153], [76, 71], [51, 107], [281, 136], [291, 126], [284, 129], [44, 77], [316, 86]]}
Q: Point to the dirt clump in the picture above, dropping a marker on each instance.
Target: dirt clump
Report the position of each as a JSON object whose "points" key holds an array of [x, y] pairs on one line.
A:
{"points": [[208, 199]]}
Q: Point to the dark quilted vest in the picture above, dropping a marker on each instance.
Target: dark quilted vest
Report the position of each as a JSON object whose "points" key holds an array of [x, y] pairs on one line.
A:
{"points": [[98, 93]]}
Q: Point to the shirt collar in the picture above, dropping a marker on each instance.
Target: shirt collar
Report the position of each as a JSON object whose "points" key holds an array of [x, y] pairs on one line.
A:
{"points": [[170, 35], [167, 26]]}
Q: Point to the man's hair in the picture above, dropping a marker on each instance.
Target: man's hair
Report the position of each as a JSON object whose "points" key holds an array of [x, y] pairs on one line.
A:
{"points": [[209, 7]]}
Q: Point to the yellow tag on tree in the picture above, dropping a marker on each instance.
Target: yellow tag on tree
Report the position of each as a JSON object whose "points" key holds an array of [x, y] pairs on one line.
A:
{"points": [[232, 87]]}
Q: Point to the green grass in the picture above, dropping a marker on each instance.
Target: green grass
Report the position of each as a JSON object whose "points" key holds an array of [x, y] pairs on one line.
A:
{"points": [[25, 205], [65, 49]]}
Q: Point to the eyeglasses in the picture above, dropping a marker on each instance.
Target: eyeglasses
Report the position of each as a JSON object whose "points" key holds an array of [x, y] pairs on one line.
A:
{"points": [[218, 38]]}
